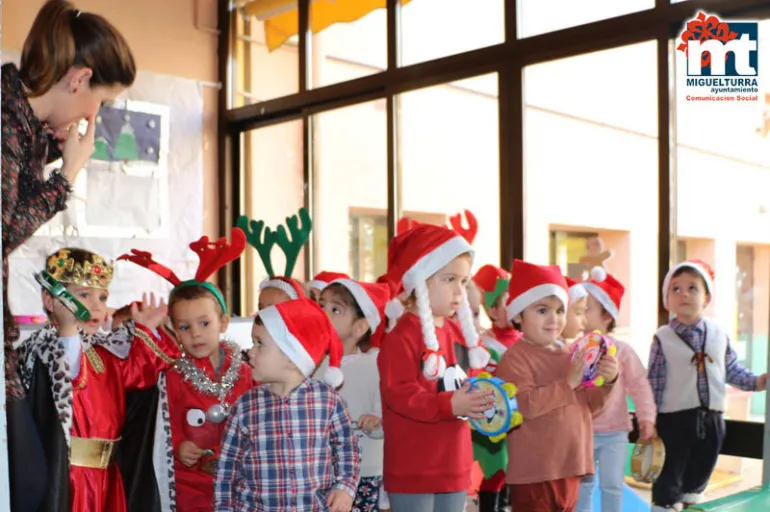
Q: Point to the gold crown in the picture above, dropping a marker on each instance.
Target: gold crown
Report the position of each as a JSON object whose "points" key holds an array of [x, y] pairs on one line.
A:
{"points": [[80, 267]]}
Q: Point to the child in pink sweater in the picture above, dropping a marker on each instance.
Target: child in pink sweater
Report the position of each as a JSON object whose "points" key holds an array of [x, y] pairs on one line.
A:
{"points": [[612, 425]]}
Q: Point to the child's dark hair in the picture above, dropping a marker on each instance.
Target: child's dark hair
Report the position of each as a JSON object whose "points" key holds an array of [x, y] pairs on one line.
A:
{"points": [[692, 273], [193, 292], [612, 324], [344, 296], [63, 37]]}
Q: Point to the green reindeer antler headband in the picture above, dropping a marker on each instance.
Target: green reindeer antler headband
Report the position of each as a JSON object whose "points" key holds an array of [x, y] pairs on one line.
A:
{"points": [[262, 238]]}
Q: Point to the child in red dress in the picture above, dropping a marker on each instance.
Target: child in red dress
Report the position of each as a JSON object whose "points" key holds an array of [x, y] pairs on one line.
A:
{"points": [[206, 380]]}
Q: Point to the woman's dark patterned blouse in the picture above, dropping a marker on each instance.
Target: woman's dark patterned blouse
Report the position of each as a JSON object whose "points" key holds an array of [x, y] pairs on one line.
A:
{"points": [[28, 200]]}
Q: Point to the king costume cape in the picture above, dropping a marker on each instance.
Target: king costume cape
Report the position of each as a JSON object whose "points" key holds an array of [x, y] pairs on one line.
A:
{"points": [[81, 420]]}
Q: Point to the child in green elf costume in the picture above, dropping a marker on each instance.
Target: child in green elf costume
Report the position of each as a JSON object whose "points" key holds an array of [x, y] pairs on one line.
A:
{"points": [[492, 283]]}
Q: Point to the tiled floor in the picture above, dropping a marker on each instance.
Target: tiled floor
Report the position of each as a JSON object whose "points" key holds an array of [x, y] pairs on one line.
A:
{"points": [[752, 477]]}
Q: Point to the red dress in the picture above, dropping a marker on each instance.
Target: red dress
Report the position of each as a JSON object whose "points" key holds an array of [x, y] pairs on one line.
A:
{"points": [[187, 408], [99, 412]]}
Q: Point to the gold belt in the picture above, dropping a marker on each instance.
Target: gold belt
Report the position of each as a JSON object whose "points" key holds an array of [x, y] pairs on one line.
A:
{"points": [[93, 453]]}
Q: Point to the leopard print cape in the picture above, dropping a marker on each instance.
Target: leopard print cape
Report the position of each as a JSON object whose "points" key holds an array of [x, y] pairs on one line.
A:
{"points": [[163, 453], [45, 345]]}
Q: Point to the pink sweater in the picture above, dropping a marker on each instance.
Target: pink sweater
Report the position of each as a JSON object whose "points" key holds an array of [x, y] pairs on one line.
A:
{"points": [[633, 381]]}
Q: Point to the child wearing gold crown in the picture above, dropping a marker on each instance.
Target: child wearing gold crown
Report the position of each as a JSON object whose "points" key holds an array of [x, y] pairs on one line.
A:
{"points": [[205, 381], [77, 377]]}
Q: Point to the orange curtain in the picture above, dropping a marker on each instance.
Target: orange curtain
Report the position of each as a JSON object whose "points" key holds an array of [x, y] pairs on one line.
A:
{"points": [[281, 17]]}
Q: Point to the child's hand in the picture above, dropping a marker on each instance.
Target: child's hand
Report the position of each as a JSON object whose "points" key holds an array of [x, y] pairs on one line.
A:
{"points": [[369, 423], [576, 370], [471, 403], [608, 368], [65, 320], [762, 381], [189, 454], [150, 314], [647, 430], [339, 501]]}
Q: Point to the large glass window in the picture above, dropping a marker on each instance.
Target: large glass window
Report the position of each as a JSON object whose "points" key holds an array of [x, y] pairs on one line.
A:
{"points": [[722, 180], [346, 51], [350, 190], [259, 73], [272, 188], [591, 174], [431, 29], [541, 16], [449, 153]]}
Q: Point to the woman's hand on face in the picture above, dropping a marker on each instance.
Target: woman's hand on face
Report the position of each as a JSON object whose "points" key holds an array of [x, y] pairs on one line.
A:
{"points": [[76, 150]]}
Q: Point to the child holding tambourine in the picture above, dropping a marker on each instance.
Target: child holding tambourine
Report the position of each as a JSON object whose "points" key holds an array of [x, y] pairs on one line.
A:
{"points": [[553, 449], [612, 425]]}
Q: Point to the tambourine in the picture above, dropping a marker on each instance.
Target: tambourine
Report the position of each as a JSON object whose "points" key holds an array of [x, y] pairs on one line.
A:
{"points": [[60, 293], [647, 460], [596, 346], [504, 413]]}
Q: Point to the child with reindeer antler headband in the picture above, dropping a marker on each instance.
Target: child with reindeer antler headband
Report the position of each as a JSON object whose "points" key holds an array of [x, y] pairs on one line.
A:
{"points": [[277, 289], [207, 379]]}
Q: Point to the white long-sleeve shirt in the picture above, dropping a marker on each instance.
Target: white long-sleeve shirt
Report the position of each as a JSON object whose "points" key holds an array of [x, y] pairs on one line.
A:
{"points": [[361, 391]]}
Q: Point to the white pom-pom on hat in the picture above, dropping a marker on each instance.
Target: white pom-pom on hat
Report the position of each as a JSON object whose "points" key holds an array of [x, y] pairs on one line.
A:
{"points": [[478, 357], [433, 366], [334, 377], [598, 274], [394, 309]]}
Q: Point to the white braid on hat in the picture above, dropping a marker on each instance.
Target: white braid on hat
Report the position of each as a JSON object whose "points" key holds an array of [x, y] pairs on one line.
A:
{"points": [[434, 364], [478, 356]]}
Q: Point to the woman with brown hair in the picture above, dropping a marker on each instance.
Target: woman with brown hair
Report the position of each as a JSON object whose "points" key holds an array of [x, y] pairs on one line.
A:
{"points": [[71, 63]]}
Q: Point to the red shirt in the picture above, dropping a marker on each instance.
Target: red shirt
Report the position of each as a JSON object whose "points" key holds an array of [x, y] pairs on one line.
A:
{"points": [[507, 336], [195, 488], [427, 449]]}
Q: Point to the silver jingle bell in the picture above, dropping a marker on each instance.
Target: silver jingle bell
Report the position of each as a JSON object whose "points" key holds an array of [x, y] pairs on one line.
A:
{"points": [[217, 413]]}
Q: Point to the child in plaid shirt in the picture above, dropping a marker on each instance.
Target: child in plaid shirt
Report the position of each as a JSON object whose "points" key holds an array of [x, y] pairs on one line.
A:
{"points": [[289, 444]]}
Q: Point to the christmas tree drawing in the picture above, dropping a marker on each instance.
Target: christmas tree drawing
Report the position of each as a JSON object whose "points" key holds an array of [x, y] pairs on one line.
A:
{"points": [[125, 147], [101, 149]]}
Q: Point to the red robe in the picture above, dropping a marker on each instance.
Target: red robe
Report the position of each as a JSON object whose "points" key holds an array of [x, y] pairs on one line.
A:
{"points": [[97, 409], [194, 487]]}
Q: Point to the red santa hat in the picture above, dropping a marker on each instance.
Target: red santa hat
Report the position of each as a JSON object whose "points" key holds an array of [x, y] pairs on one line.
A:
{"points": [[413, 257], [531, 283], [290, 286], [699, 266], [576, 290], [371, 298], [608, 292], [323, 278], [304, 333]]}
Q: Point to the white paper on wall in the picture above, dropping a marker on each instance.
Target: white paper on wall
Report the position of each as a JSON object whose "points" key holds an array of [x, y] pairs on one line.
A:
{"points": [[117, 199], [129, 198]]}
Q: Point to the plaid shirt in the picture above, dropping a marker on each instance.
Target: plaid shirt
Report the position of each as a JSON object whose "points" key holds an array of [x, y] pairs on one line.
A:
{"points": [[694, 336], [286, 453]]}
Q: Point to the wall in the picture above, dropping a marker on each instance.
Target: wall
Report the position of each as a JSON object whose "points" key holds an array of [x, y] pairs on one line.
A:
{"points": [[164, 40]]}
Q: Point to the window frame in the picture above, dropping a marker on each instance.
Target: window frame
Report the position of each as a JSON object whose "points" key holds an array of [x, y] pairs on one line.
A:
{"points": [[508, 59]]}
